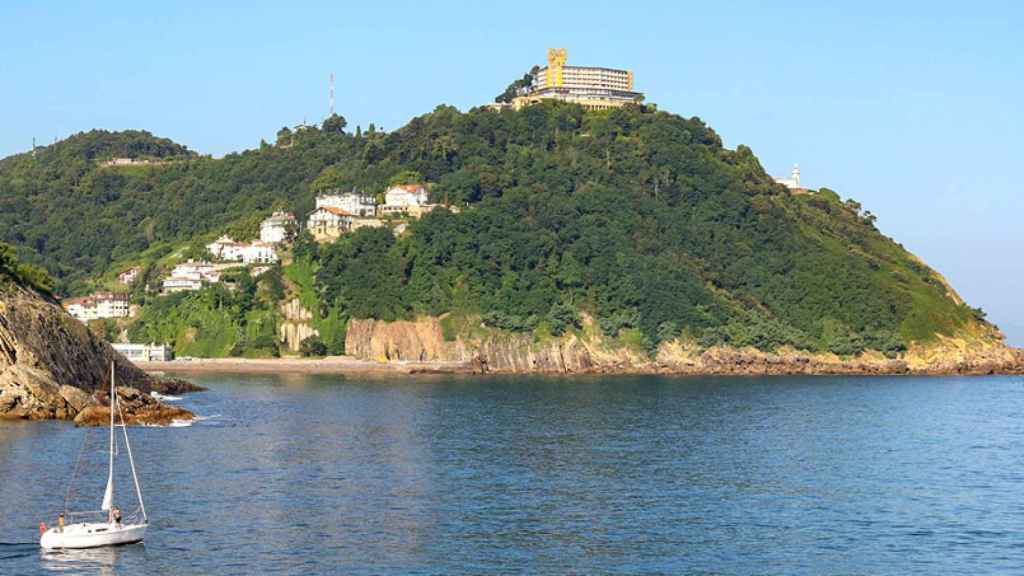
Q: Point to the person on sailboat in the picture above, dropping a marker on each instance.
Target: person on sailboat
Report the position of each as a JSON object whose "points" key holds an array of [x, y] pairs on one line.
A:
{"points": [[60, 522], [115, 513]]}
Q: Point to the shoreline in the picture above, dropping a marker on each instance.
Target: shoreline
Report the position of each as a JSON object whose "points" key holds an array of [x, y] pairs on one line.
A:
{"points": [[328, 365], [342, 365]]}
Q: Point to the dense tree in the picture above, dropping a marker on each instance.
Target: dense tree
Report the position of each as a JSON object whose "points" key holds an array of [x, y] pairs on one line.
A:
{"points": [[640, 218], [334, 124]]}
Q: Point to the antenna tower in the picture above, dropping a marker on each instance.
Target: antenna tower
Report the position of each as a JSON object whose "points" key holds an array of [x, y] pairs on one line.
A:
{"points": [[330, 98]]}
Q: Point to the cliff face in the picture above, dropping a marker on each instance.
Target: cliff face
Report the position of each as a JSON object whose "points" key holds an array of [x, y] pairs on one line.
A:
{"points": [[51, 364], [423, 341], [296, 324]]}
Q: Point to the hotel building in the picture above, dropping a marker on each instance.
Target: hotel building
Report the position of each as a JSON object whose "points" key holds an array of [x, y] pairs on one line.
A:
{"points": [[594, 88]]}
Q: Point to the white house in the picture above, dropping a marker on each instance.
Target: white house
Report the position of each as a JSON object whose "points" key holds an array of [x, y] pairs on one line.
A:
{"points": [[406, 195], [328, 222], [275, 228], [98, 306], [189, 283], [145, 352], [226, 249], [202, 270], [189, 276], [258, 252], [406, 200], [353, 202]]}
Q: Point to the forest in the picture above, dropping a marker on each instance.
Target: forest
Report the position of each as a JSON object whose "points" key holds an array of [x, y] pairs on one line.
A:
{"points": [[638, 218]]}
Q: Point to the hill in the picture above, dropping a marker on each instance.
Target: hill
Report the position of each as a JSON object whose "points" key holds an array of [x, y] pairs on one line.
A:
{"points": [[636, 218]]}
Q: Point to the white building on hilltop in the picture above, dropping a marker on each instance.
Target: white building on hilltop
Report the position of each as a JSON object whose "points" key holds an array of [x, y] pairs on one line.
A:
{"points": [[793, 182], [355, 203], [276, 227]]}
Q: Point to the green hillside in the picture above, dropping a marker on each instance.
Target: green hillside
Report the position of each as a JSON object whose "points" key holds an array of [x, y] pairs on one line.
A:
{"points": [[639, 218]]}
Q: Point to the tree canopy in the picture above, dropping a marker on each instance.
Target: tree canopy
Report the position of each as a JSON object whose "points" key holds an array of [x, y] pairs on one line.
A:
{"points": [[638, 217]]}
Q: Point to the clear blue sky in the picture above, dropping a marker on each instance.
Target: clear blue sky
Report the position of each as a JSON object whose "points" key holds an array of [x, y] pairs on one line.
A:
{"points": [[912, 108]]}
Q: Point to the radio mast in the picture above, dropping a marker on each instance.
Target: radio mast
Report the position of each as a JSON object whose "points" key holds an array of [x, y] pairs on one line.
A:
{"points": [[330, 97]]}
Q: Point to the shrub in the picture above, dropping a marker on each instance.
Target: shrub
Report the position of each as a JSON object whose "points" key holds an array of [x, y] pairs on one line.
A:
{"points": [[313, 346]]}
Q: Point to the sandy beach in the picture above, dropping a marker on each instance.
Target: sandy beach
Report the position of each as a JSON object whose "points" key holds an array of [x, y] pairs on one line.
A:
{"points": [[329, 365]]}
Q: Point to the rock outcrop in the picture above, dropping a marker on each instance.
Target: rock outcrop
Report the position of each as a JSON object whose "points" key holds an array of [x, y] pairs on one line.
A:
{"points": [[51, 364], [138, 408], [423, 341], [296, 324]]}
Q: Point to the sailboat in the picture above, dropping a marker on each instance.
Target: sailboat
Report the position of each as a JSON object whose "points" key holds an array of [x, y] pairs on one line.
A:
{"points": [[115, 530]]}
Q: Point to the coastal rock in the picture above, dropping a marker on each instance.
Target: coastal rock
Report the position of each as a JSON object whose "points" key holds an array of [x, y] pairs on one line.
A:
{"points": [[75, 397], [423, 340], [50, 363], [138, 409]]}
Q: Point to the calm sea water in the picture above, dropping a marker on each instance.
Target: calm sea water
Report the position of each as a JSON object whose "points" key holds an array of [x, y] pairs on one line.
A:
{"points": [[529, 475]]}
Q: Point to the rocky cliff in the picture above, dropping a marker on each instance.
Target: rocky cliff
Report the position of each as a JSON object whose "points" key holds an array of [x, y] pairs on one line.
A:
{"points": [[423, 341], [51, 364], [296, 324]]}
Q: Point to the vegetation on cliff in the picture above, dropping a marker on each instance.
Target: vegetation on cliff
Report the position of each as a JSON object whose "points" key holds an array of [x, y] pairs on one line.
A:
{"points": [[13, 271], [216, 321], [640, 218]]}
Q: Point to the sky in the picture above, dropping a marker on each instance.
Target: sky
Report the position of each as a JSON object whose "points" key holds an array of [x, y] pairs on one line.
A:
{"points": [[911, 108]]}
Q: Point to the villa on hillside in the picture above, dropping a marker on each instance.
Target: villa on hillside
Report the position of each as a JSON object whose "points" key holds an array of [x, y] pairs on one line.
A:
{"points": [[327, 223], [98, 306], [255, 252], [275, 228], [190, 276], [225, 248], [355, 203], [129, 275], [340, 213], [406, 200]]}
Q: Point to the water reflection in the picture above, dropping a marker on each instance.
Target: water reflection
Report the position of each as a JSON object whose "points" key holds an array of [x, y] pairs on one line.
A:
{"points": [[102, 560]]}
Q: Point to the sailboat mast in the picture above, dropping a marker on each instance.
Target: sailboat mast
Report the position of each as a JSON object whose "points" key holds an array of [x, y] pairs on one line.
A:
{"points": [[108, 498]]}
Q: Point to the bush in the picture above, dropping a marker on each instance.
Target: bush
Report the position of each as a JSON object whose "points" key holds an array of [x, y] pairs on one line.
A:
{"points": [[313, 346], [563, 317]]}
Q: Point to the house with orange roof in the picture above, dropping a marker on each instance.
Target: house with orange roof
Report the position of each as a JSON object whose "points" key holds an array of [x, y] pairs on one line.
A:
{"points": [[406, 200], [327, 223]]}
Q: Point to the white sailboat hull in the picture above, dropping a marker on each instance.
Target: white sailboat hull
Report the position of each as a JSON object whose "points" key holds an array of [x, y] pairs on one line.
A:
{"points": [[93, 535]]}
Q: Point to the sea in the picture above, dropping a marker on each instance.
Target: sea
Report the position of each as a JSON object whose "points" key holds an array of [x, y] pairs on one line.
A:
{"points": [[317, 474]]}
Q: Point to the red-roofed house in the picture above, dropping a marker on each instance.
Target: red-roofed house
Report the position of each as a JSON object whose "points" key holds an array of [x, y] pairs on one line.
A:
{"points": [[328, 222]]}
